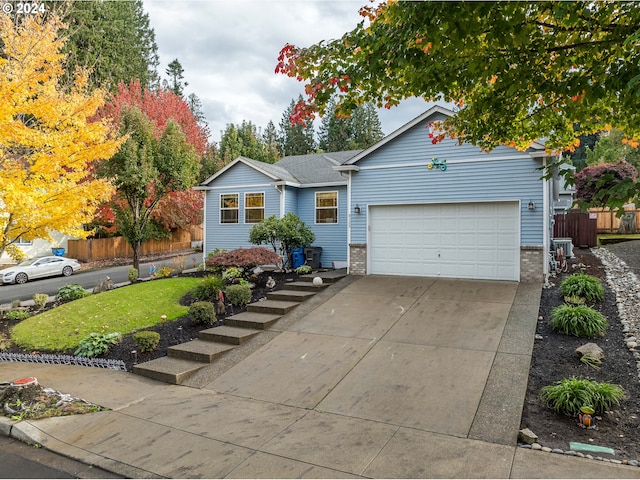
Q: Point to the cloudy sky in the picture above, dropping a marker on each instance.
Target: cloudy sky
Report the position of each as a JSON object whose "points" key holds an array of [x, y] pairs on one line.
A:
{"points": [[229, 50]]}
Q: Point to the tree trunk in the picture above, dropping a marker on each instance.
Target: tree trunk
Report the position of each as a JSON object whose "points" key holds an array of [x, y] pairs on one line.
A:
{"points": [[136, 254]]}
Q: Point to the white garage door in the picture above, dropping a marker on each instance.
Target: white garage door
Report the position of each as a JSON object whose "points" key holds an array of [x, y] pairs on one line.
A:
{"points": [[455, 240]]}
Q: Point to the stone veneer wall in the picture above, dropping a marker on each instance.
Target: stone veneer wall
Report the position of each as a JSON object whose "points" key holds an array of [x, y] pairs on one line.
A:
{"points": [[358, 259], [531, 262]]}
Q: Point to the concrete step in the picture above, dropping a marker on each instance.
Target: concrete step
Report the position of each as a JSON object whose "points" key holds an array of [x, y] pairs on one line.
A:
{"points": [[168, 369], [290, 295], [275, 307], [327, 276], [199, 350], [227, 334], [253, 320], [306, 286]]}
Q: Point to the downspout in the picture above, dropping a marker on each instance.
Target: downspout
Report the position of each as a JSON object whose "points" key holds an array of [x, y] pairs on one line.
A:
{"points": [[546, 237], [204, 230], [349, 223]]}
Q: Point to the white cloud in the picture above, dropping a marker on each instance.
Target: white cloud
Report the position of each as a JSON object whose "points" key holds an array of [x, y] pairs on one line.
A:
{"points": [[229, 50]]}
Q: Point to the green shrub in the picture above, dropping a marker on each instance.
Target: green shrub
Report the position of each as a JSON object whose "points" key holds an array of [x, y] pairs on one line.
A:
{"points": [[133, 275], [202, 312], [303, 269], [208, 290], [232, 273], [238, 294], [40, 300], [146, 340], [17, 315], [578, 320], [97, 344], [568, 395], [71, 291], [582, 285]]}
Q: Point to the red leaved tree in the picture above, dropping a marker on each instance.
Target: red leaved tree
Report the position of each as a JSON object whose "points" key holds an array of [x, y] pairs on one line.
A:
{"points": [[606, 184], [178, 209]]}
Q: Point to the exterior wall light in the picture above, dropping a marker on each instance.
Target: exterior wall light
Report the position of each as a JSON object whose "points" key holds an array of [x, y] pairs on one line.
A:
{"points": [[532, 205], [357, 209]]}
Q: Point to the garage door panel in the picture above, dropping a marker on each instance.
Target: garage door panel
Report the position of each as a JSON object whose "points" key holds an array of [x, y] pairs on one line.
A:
{"points": [[466, 240]]}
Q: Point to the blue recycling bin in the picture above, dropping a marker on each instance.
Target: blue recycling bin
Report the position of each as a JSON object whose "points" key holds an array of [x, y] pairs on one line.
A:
{"points": [[298, 257], [58, 252]]}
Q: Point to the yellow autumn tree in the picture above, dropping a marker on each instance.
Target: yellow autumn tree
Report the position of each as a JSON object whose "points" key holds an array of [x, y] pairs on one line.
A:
{"points": [[48, 143]]}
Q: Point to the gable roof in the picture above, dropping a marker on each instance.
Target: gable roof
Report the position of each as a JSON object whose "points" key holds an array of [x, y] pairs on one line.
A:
{"points": [[297, 170]]}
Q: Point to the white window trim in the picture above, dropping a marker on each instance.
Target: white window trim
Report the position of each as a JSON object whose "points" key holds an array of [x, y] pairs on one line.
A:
{"points": [[264, 201], [19, 242], [316, 208], [220, 209]]}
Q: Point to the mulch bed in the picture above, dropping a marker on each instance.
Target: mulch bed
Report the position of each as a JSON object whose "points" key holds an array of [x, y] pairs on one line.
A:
{"points": [[554, 358]]}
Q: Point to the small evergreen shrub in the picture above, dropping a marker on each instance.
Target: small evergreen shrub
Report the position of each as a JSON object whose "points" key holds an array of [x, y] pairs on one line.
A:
{"points": [[133, 275], [14, 315], [71, 291], [568, 395], [581, 285], [146, 341], [238, 294], [97, 344], [232, 273], [208, 290], [578, 320], [202, 312], [40, 300]]}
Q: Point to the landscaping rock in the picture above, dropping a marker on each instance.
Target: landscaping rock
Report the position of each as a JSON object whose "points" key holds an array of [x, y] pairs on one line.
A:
{"points": [[527, 436], [592, 350]]}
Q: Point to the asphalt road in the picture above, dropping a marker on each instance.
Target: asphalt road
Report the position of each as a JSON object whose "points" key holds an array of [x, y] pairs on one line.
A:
{"points": [[88, 280], [20, 460]]}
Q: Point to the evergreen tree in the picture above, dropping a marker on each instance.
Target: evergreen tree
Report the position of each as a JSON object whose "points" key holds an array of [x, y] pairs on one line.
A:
{"points": [[365, 127], [360, 131], [230, 144], [114, 40], [174, 71], [270, 140], [298, 138]]}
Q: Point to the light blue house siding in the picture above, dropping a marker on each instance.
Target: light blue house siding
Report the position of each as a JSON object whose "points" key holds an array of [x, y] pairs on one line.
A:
{"points": [[398, 173], [239, 180], [332, 237]]}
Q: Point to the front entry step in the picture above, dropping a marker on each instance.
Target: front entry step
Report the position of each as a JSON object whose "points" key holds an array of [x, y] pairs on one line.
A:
{"points": [[275, 307], [199, 350], [253, 320], [226, 334], [168, 369], [290, 295]]}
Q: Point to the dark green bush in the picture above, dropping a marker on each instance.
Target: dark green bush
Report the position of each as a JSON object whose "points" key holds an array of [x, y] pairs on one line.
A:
{"points": [[582, 285], [578, 320], [238, 294], [202, 312], [568, 395], [208, 290], [133, 275], [71, 291], [97, 344], [146, 341]]}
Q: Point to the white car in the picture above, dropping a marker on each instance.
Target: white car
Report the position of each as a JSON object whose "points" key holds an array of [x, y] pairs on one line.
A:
{"points": [[39, 267]]}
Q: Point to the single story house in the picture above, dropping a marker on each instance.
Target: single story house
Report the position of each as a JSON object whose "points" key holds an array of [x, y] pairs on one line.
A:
{"points": [[404, 206]]}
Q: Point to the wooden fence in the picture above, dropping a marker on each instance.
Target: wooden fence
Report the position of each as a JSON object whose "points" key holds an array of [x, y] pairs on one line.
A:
{"points": [[580, 227], [117, 247], [609, 222]]}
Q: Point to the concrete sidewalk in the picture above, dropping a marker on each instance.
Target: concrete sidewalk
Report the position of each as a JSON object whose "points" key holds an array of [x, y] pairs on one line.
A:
{"points": [[384, 377]]}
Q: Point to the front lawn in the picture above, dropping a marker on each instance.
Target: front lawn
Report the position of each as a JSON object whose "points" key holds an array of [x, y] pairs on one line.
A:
{"points": [[123, 310]]}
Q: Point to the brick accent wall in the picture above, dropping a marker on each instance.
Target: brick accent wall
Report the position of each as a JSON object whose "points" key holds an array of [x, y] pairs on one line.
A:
{"points": [[358, 259], [531, 264]]}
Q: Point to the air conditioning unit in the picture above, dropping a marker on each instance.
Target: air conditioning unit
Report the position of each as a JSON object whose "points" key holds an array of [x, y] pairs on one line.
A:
{"points": [[566, 244]]}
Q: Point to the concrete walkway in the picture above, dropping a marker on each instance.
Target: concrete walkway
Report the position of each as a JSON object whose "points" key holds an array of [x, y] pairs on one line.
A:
{"points": [[378, 377]]}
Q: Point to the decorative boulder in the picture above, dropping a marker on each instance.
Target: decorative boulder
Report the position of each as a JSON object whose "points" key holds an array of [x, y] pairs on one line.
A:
{"points": [[317, 281], [592, 350]]}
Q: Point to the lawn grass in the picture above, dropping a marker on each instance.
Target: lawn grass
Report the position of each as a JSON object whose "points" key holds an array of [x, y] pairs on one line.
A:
{"points": [[123, 310]]}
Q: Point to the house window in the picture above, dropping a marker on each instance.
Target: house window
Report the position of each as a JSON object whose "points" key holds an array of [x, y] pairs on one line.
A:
{"points": [[20, 241], [229, 208], [253, 207], [327, 207]]}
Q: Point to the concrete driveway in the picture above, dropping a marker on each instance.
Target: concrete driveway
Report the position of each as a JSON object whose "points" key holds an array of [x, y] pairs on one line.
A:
{"points": [[388, 377]]}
